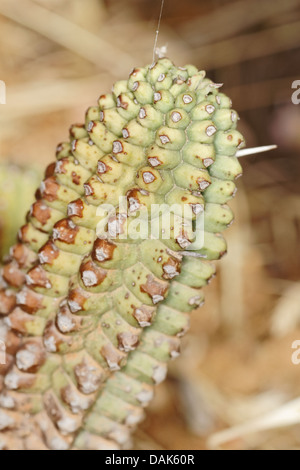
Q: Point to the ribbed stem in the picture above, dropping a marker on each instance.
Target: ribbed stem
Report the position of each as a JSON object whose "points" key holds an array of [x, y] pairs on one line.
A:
{"points": [[98, 317]]}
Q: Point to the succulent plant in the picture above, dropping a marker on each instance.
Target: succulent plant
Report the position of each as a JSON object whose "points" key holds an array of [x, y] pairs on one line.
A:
{"points": [[91, 317]]}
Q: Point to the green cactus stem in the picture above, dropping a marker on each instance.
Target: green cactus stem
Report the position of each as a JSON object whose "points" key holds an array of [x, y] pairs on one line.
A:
{"points": [[92, 318]]}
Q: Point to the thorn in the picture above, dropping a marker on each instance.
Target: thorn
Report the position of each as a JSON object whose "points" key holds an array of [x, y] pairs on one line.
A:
{"points": [[253, 150]]}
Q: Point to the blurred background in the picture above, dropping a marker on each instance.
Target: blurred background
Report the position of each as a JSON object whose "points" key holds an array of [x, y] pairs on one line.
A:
{"points": [[56, 58]]}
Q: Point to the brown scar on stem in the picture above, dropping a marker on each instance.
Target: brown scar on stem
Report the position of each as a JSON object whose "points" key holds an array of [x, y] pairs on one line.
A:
{"points": [[76, 179], [75, 208], [92, 275], [89, 376], [127, 341], [171, 268], [117, 224], [154, 161], [135, 194], [134, 72], [60, 166], [48, 253], [76, 300], [148, 177], [182, 240], [12, 274], [73, 126], [50, 169], [59, 148], [121, 103], [91, 126], [29, 301], [125, 133], [12, 342], [52, 409], [22, 255], [16, 380], [7, 302], [19, 320], [49, 189], [53, 338], [37, 277], [65, 231], [144, 315], [88, 189], [40, 212], [75, 401], [164, 139], [103, 168], [4, 368], [31, 356], [112, 356], [66, 322], [117, 147], [156, 290], [103, 250]]}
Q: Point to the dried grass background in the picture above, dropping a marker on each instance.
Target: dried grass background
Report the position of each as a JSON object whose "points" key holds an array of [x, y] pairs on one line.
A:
{"points": [[235, 373]]}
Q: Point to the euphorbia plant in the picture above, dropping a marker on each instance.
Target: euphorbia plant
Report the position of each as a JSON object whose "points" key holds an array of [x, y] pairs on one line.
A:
{"points": [[91, 318]]}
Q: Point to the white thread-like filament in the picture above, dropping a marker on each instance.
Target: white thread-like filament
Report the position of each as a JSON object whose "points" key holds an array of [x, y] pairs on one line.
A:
{"points": [[158, 28]]}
